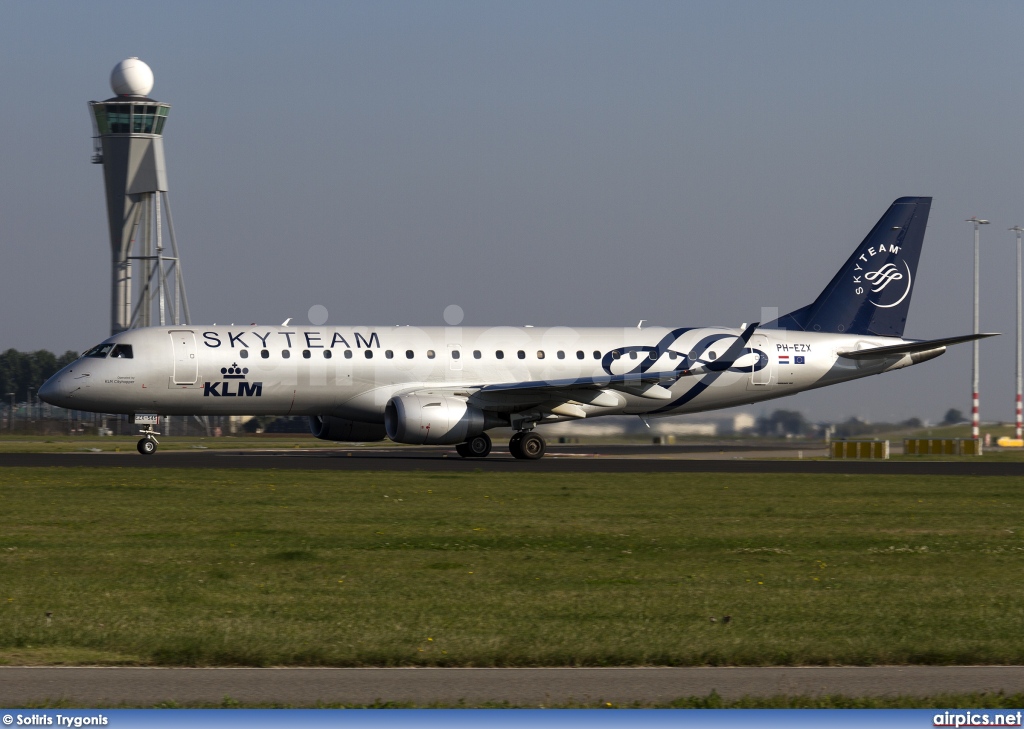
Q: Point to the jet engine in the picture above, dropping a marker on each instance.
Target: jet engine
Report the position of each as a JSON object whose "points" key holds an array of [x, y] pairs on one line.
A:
{"points": [[435, 419], [328, 427]]}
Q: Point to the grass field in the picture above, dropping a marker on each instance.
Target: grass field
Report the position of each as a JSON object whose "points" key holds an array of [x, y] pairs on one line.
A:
{"points": [[237, 567]]}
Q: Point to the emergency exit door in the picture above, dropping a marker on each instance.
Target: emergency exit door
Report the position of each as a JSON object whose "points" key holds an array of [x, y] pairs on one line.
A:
{"points": [[761, 377]]}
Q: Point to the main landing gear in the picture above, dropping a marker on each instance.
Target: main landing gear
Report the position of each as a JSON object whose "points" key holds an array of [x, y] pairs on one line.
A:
{"points": [[527, 445], [478, 447], [147, 445]]}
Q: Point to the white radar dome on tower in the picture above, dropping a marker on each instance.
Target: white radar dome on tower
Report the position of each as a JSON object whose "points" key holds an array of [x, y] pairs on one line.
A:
{"points": [[131, 77]]}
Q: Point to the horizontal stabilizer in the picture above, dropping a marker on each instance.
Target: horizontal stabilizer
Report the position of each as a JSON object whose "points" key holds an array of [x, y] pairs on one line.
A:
{"points": [[911, 347]]}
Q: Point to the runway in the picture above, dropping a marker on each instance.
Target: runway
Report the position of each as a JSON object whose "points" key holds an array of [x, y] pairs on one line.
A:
{"points": [[560, 459], [475, 686]]}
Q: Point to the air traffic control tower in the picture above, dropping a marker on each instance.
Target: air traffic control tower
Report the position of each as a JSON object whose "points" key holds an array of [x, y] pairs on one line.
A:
{"points": [[128, 133]]}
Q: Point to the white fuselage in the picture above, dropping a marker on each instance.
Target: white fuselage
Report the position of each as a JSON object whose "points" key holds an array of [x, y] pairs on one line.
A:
{"points": [[352, 372]]}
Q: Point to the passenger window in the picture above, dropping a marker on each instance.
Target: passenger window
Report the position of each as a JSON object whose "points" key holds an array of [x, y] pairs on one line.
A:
{"points": [[561, 354], [499, 354], [579, 354], [615, 354], [265, 353], [408, 354], [456, 354], [244, 354], [328, 354], [540, 354], [348, 354], [389, 354], [712, 355], [597, 355], [286, 353], [476, 354], [632, 355], [122, 351], [369, 354], [430, 354], [306, 354], [521, 354], [654, 355], [673, 355]]}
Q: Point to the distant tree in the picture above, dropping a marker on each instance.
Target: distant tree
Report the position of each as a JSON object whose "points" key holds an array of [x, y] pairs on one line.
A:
{"points": [[21, 370], [912, 423], [952, 417], [783, 422], [852, 428]]}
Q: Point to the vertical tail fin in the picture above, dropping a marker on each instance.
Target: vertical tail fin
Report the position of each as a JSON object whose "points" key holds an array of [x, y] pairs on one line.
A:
{"points": [[871, 293]]}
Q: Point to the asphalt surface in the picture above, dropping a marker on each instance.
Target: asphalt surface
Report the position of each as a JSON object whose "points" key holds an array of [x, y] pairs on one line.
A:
{"points": [[559, 459], [517, 686]]}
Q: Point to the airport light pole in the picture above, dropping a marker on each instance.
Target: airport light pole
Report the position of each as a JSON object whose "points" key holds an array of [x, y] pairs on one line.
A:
{"points": [[975, 418], [1018, 230]]}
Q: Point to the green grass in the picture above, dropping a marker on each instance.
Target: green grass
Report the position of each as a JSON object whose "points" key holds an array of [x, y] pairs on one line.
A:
{"points": [[234, 567]]}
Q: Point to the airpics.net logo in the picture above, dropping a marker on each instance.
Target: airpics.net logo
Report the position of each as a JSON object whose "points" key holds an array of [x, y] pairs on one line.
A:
{"points": [[875, 282], [975, 718]]}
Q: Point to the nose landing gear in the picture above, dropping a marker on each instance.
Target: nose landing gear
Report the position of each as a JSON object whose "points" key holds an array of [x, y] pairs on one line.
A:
{"points": [[147, 445], [527, 446]]}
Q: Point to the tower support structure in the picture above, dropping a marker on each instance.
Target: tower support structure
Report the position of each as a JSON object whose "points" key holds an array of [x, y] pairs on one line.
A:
{"points": [[147, 285]]}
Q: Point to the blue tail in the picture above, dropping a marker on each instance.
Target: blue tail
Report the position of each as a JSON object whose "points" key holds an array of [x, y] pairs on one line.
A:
{"points": [[871, 293]]}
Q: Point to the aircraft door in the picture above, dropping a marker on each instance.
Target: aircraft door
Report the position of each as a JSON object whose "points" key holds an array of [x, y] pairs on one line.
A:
{"points": [[186, 361], [763, 375]]}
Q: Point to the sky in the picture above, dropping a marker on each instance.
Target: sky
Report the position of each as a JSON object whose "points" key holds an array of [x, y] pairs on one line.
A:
{"points": [[547, 163]]}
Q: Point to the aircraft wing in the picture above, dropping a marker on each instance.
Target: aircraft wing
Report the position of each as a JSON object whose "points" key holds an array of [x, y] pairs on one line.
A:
{"points": [[911, 347]]}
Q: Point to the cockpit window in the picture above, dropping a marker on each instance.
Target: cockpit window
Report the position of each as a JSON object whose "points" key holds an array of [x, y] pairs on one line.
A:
{"points": [[100, 351], [124, 351]]}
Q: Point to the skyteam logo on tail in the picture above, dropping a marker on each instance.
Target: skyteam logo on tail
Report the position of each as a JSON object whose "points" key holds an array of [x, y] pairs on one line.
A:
{"points": [[885, 286]]}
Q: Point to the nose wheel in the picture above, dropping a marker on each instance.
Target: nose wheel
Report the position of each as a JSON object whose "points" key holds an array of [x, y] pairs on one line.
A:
{"points": [[478, 447], [527, 446], [148, 443]]}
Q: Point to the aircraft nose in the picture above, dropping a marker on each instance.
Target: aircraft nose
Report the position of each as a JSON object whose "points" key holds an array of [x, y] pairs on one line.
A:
{"points": [[54, 390]]}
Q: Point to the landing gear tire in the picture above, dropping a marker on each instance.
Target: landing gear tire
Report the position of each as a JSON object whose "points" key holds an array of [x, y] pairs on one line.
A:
{"points": [[532, 447], [527, 446], [147, 446], [478, 447]]}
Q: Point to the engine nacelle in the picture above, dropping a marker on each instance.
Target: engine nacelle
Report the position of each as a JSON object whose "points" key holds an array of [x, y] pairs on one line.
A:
{"points": [[328, 427], [435, 420]]}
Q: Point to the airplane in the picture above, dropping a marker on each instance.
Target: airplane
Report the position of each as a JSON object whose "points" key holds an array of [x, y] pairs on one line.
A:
{"points": [[450, 385]]}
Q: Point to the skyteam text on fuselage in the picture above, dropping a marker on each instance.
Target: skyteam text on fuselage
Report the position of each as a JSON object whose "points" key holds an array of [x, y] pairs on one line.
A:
{"points": [[449, 385]]}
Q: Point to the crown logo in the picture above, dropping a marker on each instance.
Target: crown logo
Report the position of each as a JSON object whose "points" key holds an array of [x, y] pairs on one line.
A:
{"points": [[234, 372]]}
